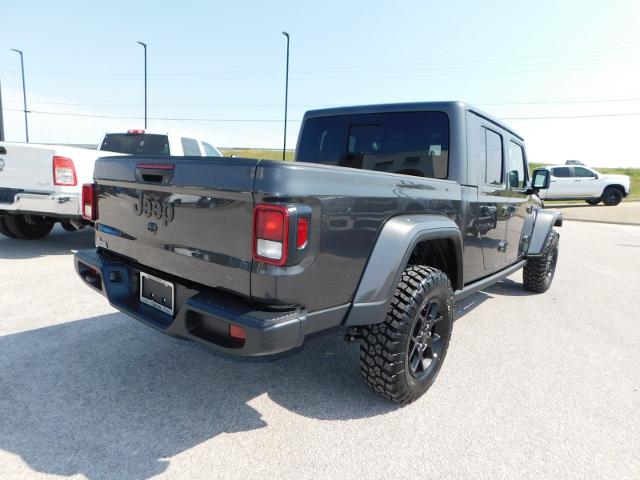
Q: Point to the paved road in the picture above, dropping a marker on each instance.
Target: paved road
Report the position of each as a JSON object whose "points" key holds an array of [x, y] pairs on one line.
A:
{"points": [[534, 386], [627, 213]]}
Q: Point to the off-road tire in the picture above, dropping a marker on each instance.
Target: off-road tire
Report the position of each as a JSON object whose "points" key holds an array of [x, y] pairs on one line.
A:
{"points": [[4, 230], [593, 201], [612, 196], [27, 227], [386, 347], [539, 271]]}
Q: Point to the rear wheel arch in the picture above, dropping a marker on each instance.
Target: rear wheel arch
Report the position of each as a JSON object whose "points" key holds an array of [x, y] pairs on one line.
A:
{"points": [[417, 239], [440, 253]]}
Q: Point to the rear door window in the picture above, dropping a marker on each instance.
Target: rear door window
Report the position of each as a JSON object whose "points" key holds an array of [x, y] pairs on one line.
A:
{"points": [[190, 147], [136, 144], [561, 172], [410, 143]]}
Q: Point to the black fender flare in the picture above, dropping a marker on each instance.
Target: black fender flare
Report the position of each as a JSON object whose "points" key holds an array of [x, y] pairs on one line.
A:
{"points": [[390, 256], [545, 221]]}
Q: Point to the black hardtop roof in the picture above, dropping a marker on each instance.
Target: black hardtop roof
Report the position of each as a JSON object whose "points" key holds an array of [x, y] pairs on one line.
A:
{"points": [[445, 106]]}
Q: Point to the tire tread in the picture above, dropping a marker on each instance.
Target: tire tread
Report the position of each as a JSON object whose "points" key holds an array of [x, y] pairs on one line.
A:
{"points": [[382, 352]]}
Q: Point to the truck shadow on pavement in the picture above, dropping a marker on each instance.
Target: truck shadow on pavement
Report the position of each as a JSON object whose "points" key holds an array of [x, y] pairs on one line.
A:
{"points": [[106, 397], [58, 242], [508, 288]]}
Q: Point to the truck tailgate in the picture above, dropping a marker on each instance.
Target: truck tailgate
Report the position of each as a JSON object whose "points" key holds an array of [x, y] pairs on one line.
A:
{"points": [[26, 167], [189, 217]]}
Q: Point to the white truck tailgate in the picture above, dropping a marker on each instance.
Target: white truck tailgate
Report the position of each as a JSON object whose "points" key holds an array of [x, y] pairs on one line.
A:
{"points": [[26, 167]]}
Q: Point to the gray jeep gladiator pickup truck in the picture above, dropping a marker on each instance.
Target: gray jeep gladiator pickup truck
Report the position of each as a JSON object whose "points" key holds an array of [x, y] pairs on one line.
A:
{"points": [[389, 214]]}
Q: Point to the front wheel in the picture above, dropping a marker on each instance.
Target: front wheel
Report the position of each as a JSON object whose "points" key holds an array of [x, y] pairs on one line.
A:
{"points": [[400, 358], [539, 271], [612, 196], [29, 227]]}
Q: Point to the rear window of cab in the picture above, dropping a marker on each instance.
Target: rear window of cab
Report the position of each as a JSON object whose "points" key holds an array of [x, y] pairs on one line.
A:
{"points": [[409, 143]]}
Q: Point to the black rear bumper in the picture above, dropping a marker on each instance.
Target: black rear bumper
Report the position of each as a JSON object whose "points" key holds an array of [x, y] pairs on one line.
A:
{"points": [[203, 315]]}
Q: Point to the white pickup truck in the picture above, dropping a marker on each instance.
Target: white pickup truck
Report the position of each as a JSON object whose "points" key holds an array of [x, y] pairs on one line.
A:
{"points": [[577, 182], [42, 184]]}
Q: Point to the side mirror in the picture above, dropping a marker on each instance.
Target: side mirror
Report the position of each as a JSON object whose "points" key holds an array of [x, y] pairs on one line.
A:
{"points": [[541, 179]]}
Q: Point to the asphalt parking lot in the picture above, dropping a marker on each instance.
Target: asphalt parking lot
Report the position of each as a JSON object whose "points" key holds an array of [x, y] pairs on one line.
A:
{"points": [[534, 386]]}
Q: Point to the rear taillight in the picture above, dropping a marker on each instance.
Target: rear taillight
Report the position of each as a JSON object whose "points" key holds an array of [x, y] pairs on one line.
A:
{"points": [[135, 132], [89, 202], [64, 172], [271, 234]]}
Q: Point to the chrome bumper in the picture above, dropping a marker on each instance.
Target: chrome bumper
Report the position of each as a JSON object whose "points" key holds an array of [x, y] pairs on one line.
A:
{"points": [[60, 204]]}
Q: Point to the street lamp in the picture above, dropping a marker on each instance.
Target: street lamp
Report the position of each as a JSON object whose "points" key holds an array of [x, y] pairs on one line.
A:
{"points": [[286, 98], [144, 45], [24, 94]]}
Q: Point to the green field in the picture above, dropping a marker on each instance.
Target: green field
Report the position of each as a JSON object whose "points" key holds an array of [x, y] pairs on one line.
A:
{"points": [[270, 154], [262, 153]]}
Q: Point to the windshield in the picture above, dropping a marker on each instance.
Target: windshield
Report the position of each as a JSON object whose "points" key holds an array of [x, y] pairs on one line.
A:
{"points": [[136, 144]]}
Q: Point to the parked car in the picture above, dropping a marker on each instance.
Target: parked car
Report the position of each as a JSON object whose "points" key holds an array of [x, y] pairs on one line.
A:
{"points": [[41, 184], [388, 215], [574, 182]]}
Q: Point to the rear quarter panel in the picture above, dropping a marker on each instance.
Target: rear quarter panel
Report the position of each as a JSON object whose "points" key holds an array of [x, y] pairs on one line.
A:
{"points": [[349, 207]]}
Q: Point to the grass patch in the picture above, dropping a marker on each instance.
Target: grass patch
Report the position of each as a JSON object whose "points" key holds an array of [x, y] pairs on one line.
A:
{"points": [[262, 153]]}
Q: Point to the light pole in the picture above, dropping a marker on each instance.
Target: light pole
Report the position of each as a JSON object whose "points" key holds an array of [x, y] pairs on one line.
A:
{"points": [[286, 99], [144, 45], [24, 95]]}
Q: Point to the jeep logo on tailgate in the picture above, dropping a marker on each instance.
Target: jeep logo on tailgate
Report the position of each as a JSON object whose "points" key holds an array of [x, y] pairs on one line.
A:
{"points": [[154, 208]]}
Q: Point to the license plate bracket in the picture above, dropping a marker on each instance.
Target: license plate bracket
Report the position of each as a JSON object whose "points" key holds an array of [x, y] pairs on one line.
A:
{"points": [[157, 293]]}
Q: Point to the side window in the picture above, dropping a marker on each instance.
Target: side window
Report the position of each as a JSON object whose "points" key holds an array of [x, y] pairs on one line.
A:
{"points": [[493, 157], [583, 172], [561, 172], [517, 171], [210, 150], [190, 147]]}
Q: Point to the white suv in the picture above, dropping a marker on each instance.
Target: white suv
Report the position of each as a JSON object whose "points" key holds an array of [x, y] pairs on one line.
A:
{"points": [[573, 182]]}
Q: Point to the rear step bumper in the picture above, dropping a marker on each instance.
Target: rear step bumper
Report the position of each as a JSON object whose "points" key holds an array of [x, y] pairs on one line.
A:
{"points": [[61, 205], [200, 315]]}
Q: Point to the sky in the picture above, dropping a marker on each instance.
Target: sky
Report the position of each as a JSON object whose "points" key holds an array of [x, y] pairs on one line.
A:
{"points": [[564, 74]]}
